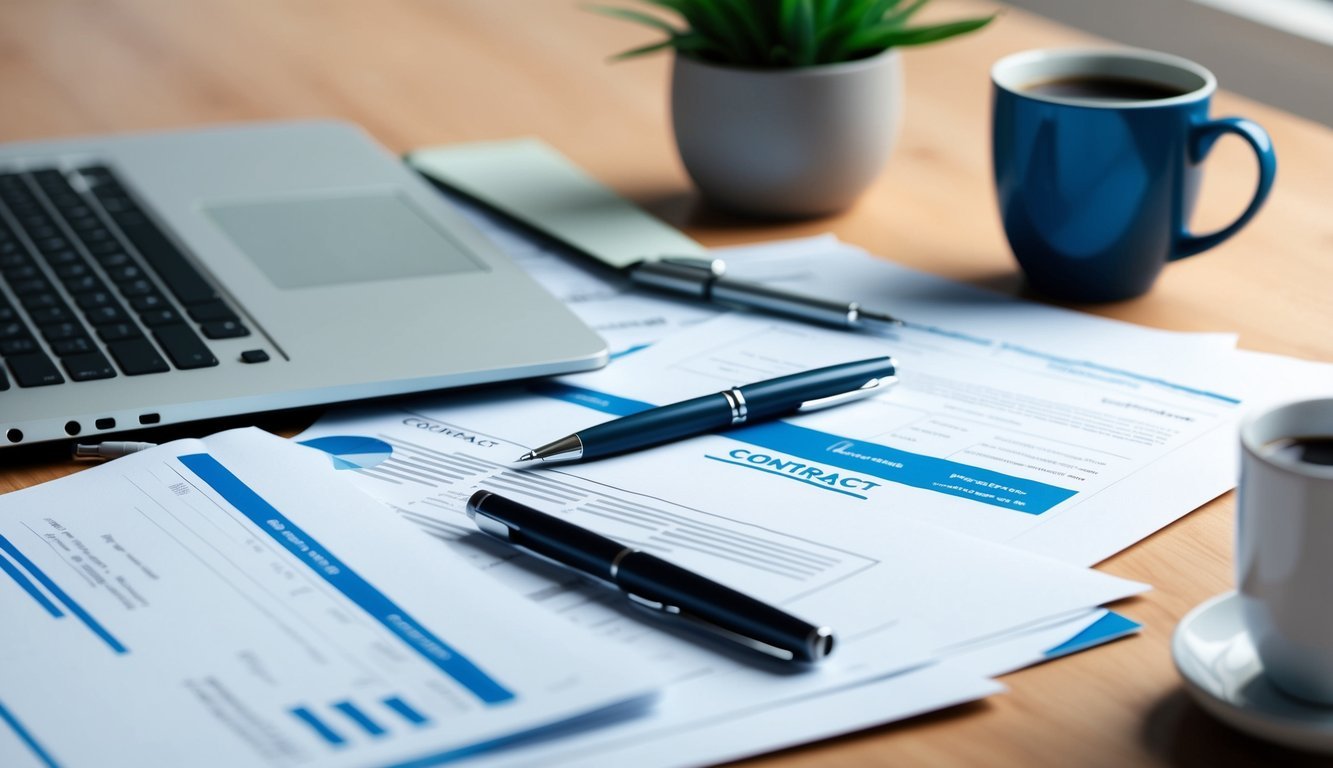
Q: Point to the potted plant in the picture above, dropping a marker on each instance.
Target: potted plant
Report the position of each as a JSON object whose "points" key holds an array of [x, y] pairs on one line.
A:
{"points": [[786, 107]]}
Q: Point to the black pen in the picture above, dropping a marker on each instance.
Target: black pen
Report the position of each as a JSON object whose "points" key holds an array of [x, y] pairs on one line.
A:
{"points": [[783, 396], [651, 582], [706, 279]]}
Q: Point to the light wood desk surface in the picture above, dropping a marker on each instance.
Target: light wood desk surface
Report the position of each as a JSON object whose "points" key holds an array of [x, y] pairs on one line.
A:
{"points": [[421, 72]]}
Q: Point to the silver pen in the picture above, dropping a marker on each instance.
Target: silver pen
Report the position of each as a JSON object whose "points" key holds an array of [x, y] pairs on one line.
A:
{"points": [[706, 279]]}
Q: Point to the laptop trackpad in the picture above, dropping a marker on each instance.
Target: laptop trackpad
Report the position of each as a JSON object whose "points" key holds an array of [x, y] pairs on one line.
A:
{"points": [[304, 242]]}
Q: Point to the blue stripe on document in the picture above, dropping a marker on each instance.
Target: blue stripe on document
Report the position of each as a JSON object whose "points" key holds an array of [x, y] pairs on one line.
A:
{"points": [[823, 452], [406, 710], [1071, 364], [354, 714], [319, 726], [415, 635], [27, 738], [29, 587], [60, 595], [1111, 626], [598, 401]]}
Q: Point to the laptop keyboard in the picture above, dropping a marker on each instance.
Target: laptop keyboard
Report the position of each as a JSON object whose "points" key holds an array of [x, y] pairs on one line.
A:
{"points": [[94, 288]]}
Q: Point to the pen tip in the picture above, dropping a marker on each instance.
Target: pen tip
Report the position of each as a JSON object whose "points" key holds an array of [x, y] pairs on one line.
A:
{"points": [[529, 456]]}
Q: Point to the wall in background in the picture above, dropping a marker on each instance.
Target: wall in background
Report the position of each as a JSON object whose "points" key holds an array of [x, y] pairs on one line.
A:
{"points": [[1279, 52]]}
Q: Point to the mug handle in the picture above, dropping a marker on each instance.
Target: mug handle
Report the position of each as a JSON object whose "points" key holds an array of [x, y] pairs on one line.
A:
{"points": [[1202, 138]]}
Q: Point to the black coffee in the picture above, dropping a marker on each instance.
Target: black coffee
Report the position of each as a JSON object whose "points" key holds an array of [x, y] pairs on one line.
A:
{"points": [[1104, 89], [1308, 450]]}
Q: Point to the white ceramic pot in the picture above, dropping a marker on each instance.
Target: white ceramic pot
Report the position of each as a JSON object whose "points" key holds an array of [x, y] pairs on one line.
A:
{"points": [[786, 142]]}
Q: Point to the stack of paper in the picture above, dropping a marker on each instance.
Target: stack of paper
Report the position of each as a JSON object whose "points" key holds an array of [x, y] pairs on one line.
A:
{"points": [[233, 602], [928, 518]]}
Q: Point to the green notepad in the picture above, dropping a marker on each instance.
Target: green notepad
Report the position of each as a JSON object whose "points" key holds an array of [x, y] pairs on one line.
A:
{"points": [[531, 182]]}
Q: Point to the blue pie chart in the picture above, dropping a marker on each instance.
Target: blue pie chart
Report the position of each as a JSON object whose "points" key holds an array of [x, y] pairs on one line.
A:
{"points": [[352, 451]]}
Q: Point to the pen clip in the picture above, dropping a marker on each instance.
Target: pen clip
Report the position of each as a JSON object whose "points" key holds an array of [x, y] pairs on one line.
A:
{"points": [[868, 389], [703, 624]]}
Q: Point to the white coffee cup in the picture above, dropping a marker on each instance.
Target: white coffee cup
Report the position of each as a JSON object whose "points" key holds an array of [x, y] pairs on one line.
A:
{"points": [[1284, 548]]}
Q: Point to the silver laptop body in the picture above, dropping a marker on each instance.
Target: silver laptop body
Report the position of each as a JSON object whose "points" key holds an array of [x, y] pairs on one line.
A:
{"points": [[345, 270]]}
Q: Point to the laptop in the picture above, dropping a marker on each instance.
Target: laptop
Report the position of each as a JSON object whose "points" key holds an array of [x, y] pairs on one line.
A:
{"points": [[164, 278]]}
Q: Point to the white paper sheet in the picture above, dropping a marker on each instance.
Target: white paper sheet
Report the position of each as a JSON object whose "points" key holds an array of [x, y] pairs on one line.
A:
{"points": [[893, 598], [234, 602], [1073, 451], [676, 738], [802, 552]]}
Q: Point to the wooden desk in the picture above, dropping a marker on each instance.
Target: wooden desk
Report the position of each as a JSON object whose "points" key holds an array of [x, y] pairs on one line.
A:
{"points": [[418, 72]]}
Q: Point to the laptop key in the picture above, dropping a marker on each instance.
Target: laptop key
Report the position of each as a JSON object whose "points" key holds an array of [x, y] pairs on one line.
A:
{"points": [[71, 270], [111, 313], [108, 251], [158, 317], [149, 302], [19, 346], [60, 314], [224, 329], [74, 346], [35, 301], [124, 273], [22, 273], [35, 284], [88, 366], [184, 347], [93, 299], [136, 288], [82, 284], [62, 259], [61, 331], [210, 311], [137, 357], [118, 332], [34, 369]]}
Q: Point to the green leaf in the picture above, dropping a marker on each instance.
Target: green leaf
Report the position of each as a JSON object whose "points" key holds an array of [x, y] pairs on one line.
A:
{"points": [[900, 18], [785, 33], [827, 13], [747, 19], [889, 36], [635, 16], [798, 27], [708, 18], [645, 49], [831, 41], [876, 11], [692, 43]]}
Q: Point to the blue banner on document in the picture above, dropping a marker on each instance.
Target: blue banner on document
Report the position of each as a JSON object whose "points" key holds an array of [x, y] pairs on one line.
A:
{"points": [[785, 445], [375, 603]]}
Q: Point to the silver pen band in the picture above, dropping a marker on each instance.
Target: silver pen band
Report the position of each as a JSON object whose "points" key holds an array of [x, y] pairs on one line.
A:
{"points": [[736, 399]]}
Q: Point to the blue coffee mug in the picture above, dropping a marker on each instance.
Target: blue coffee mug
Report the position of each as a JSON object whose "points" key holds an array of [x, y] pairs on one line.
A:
{"points": [[1097, 157]]}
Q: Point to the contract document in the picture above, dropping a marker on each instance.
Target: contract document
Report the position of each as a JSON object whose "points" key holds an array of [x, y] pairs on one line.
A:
{"points": [[897, 600], [233, 601], [1042, 446]]}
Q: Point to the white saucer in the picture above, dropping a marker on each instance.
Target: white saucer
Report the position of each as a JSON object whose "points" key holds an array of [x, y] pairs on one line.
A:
{"points": [[1222, 672]]}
